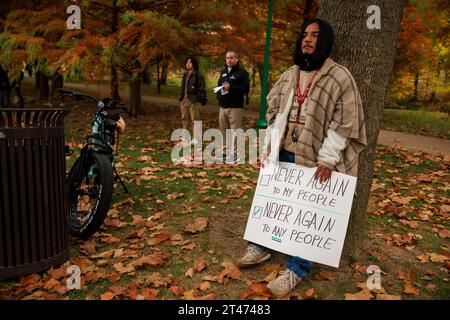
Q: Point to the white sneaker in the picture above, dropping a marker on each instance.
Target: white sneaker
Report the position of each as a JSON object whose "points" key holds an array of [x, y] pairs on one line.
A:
{"points": [[253, 256], [284, 283]]}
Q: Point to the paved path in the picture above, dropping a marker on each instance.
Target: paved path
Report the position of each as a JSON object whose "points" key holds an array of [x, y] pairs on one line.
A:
{"points": [[388, 138]]}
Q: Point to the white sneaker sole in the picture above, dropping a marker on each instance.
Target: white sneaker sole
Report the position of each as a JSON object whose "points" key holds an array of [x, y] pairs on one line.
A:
{"points": [[249, 265]]}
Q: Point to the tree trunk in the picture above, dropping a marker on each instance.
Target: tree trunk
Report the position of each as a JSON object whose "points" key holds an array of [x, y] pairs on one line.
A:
{"points": [[114, 83], [369, 55], [37, 79], [164, 72], [254, 75], [43, 87], [114, 72], [146, 75], [158, 82], [416, 85], [135, 94]]}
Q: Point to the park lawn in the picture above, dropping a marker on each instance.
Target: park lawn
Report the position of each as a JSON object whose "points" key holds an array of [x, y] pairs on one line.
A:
{"points": [[407, 226], [428, 123]]}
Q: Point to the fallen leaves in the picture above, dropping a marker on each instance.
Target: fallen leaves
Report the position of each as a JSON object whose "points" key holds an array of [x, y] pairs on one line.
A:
{"points": [[146, 159], [444, 234], [310, 293], [189, 273], [157, 280], [119, 267], [176, 290], [257, 290], [200, 265], [388, 297], [107, 296], [424, 178], [188, 246], [402, 200], [198, 225], [366, 293], [423, 257], [122, 203], [324, 275], [57, 274], [271, 276], [204, 286], [411, 289], [154, 259], [434, 257], [158, 238], [175, 195], [404, 275], [412, 224], [193, 295], [361, 295], [229, 271]]}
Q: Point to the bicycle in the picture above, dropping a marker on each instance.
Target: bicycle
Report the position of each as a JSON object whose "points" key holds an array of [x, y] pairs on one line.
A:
{"points": [[90, 181]]}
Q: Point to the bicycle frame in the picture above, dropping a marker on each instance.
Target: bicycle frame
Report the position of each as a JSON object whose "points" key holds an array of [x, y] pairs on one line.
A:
{"points": [[102, 139]]}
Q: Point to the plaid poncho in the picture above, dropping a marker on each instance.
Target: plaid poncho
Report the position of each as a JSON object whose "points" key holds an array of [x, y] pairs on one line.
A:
{"points": [[336, 105]]}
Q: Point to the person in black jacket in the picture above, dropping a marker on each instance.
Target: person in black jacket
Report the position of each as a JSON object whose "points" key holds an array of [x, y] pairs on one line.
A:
{"points": [[236, 84], [5, 88], [193, 94]]}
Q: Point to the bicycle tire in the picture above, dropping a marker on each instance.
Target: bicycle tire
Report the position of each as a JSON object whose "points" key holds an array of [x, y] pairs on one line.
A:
{"points": [[103, 181]]}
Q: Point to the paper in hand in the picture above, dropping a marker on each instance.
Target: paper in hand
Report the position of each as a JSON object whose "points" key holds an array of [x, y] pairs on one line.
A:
{"points": [[217, 89]]}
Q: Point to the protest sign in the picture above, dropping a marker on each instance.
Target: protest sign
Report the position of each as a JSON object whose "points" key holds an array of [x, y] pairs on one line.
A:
{"points": [[294, 213]]}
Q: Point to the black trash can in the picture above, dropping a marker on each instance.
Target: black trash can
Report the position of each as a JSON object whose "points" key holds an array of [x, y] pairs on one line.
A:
{"points": [[33, 193]]}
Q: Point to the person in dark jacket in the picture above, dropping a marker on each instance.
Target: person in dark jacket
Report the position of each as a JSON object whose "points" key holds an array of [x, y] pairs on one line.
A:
{"points": [[236, 83], [5, 88], [193, 94]]}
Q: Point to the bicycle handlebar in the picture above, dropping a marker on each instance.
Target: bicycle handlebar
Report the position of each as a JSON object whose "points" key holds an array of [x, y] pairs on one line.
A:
{"points": [[108, 103], [76, 95], [113, 104]]}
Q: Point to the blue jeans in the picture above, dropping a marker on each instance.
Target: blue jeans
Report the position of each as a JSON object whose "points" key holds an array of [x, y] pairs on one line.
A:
{"points": [[299, 266]]}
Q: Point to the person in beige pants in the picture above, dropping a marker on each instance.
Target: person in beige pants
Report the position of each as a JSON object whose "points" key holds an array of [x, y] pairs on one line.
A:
{"points": [[234, 83], [193, 95]]}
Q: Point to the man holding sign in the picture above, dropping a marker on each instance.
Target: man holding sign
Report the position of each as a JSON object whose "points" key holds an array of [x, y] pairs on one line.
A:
{"points": [[315, 119]]}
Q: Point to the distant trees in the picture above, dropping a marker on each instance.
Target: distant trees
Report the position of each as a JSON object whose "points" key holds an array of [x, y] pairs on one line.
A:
{"points": [[121, 40], [422, 62]]}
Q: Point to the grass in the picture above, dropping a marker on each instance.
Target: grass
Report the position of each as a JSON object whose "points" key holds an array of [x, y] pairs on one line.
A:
{"points": [[427, 123]]}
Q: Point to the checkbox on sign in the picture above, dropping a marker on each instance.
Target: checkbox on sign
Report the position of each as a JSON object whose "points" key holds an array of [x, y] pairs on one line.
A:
{"points": [[257, 211], [265, 179]]}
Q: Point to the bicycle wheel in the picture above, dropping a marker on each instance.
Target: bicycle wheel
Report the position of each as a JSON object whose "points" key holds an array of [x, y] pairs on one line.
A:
{"points": [[90, 186]]}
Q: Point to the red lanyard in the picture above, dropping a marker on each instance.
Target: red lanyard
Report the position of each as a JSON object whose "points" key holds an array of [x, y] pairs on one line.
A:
{"points": [[301, 97]]}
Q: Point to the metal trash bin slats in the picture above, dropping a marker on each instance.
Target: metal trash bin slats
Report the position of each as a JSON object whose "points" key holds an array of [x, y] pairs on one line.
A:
{"points": [[33, 195]]}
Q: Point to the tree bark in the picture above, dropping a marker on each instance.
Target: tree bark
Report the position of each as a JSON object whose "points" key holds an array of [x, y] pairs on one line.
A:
{"points": [[416, 85], [158, 77], [254, 75], [146, 75], [114, 70], [43, 87], [369, 55], [164, 72], [114, 83], [37, 79], [135, 94]]}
